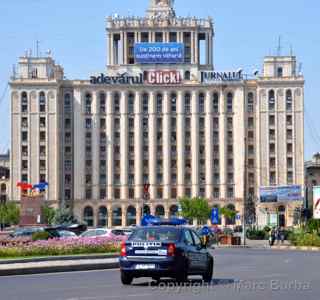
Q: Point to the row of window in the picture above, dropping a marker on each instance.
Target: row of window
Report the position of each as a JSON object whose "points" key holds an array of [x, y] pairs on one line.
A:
{"points": [[272, 100], [159, 103], [24, 102]]}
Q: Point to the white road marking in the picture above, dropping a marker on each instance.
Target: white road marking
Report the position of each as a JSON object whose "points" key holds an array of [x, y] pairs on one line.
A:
{"points": [[59, 273]]}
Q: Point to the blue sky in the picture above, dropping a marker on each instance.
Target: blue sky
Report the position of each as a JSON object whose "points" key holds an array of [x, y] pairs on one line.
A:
{"points": [[245, 32]]}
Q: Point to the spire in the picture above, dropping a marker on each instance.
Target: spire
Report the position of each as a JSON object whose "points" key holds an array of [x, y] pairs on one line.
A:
{"points": [[161, 8]]}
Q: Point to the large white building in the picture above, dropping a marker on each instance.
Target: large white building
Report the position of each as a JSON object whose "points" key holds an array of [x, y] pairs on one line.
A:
{"points": [[160, 115]]}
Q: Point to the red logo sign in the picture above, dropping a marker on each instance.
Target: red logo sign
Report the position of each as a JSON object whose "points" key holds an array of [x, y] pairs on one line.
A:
{"points": [[162, 77]]}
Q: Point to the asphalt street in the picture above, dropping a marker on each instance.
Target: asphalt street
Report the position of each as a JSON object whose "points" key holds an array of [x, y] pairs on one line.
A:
{"points": [[239, 274]]}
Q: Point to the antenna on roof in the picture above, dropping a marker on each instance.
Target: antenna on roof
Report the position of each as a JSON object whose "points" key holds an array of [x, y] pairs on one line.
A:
{"points": [[37, 48], [279, 49]]}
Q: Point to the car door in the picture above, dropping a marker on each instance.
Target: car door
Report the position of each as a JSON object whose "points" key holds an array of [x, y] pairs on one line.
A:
{"points": [[201, 252], [190, 250]]}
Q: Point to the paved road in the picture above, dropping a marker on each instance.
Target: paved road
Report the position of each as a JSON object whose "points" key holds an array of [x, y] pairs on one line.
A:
{"points": [[241, 274]]}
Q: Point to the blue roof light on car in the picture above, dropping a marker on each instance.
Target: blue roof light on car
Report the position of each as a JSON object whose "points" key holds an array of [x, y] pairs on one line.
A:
{"points": [[150, 220]]}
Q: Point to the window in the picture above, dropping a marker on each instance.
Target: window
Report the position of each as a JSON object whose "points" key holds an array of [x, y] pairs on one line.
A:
{"points": [[159, 37], [289, 148], [187, 75], [289, 120], [272, 162], [159, 103], [131, 103], [188, 237], [289, 134], [24, 150], [102, 98], [173, 98], [272, 149], [88, 102], [289, 100], [24, 165], [271, 100], [272, 178], [24, 136], [250, 106], [215, 102], [229, 103], [230, 193], [67, 102], [42, 164], [250, 122], [290, 177], [289, 163], [42, 102], [201, 103], [280, 72], [271, 120], [88, 123], [197, 240], [116, 102], [145, 103], [172, 37], [187, 103], [144, 37], [88, 215], [24, 102]]}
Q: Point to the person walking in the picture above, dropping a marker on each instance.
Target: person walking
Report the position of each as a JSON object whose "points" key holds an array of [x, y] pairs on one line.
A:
{"points": [[272, 237]]}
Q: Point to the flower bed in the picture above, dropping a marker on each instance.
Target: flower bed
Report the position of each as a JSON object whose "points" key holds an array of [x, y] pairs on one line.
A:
{"points": [[54, 247]]}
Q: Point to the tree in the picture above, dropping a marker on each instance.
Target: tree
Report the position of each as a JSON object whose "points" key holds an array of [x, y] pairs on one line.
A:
{"points": [[48, 214], [64, 216], [228, 213], [9, 214], [195, 208]]}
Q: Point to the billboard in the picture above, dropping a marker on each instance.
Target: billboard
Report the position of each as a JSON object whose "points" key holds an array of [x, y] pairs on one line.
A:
{"points": [[316, 202], [159, 53], [280, 194]]}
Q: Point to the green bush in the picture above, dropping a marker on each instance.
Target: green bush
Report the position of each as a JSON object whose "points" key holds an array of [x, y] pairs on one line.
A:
{"points": [[267, 229], [313, 225], [255, 234], [302, 238], [42, 235]]}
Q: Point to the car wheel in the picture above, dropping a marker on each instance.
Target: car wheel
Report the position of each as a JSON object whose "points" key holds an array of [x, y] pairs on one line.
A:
{"points": [[126, 279], [207, 276]]}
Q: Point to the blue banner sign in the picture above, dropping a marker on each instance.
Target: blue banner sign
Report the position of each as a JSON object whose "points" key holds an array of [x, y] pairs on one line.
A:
{"points": [[280, 194], [215, 216], [159, 53]]}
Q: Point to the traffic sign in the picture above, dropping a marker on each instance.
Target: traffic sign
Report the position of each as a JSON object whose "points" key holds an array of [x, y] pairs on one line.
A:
{"points": [[215, 216], [238, 217]]}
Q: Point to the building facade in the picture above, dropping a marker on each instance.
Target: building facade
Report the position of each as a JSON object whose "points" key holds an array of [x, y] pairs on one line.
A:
{"points": [[312, 178], [4, 177], [157, 125]]}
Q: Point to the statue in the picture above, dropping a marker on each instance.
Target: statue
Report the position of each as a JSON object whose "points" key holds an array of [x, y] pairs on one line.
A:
{"points": [[164, 2]]}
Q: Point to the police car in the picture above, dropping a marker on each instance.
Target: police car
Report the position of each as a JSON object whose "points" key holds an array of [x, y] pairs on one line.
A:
{"points": [[164, 251]]}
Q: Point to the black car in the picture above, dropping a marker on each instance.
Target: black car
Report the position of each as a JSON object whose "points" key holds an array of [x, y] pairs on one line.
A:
{"points": [[164, 251]]}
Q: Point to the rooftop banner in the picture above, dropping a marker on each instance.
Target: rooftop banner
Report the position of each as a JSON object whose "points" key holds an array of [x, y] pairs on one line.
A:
{"points": [[280, 194], [159, 53], [216, 77]]}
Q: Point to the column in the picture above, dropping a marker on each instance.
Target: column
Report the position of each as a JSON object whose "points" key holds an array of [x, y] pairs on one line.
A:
{"points": [[138, 161], [125, 48], [197, 59], [222, 145], [195, 144], [124, 145], [123, 215], [209, 146], [152, 146], [110, 150], [210, 49], [110, 48], [207, 48], [180, 144], [166, 134], [109, 207], [193, 36], [138, 214], [95, 147]]}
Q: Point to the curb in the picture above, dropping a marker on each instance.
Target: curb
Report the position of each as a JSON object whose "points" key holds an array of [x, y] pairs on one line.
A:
{"points": [[56, 258], [56, 269], [295, 248]]}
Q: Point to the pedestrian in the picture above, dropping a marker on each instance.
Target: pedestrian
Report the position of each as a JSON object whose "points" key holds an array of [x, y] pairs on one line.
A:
{"points": [[282, 235], [272, 237]]}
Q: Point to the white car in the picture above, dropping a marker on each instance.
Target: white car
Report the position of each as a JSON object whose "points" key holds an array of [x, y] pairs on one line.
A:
{"points": [[96, 233]]}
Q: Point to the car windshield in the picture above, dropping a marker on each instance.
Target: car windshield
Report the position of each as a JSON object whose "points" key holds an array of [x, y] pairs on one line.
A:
{"points": [[155, 234]]}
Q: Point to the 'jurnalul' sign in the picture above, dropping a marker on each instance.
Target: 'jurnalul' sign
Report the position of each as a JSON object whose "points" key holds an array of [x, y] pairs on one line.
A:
{"points": [[214, 77]]}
